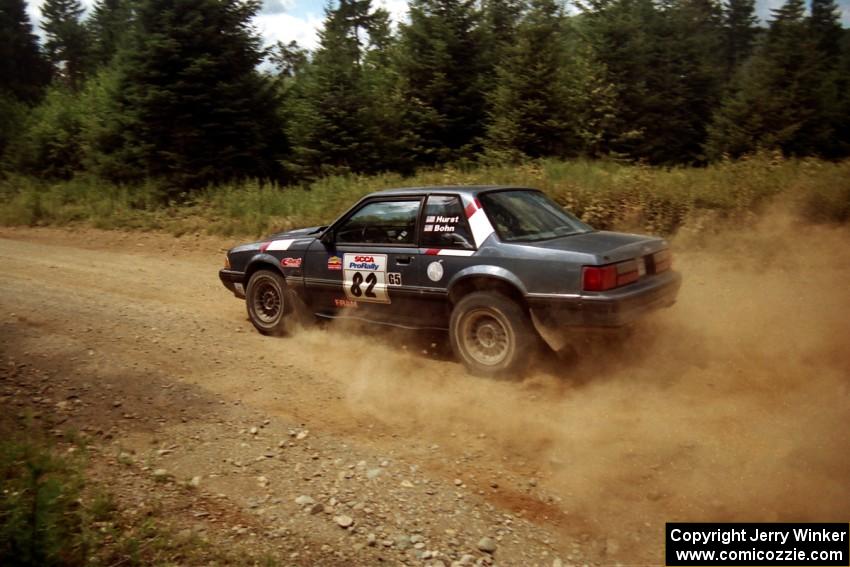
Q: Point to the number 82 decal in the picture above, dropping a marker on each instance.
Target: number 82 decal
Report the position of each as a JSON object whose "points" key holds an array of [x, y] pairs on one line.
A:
{"points": [[357, 281], [365, 277]]}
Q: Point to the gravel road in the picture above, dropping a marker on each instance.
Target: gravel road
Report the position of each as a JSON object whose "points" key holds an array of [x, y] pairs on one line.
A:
{"points": [[348, 446]]}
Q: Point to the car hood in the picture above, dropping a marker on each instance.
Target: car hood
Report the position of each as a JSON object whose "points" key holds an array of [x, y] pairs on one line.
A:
{"points": [[607, 246], [297, 233]]}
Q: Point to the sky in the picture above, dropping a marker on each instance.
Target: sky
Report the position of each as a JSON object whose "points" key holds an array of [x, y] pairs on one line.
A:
{"points": [[300, 20]]}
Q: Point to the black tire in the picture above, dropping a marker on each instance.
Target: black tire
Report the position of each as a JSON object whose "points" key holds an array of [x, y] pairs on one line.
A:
{"points": [[492, 335], [266, 301]]}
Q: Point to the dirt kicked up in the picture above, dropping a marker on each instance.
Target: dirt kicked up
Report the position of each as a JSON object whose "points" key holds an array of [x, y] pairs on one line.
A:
{"points": [[732, 405]]}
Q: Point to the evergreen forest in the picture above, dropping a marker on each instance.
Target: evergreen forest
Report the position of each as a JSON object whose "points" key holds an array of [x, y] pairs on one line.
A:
{"points": [[184, 95]]}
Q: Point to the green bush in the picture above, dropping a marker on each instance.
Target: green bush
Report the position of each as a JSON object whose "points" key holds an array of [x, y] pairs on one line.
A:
{"points": [[606, 194], [41, 521]]}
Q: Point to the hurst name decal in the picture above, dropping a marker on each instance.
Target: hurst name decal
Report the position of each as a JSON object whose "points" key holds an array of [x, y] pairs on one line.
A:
{"points": [[438, 223]]}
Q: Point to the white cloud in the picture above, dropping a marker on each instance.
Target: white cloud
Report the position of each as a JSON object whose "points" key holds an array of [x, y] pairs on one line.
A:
{"points": [[396, 8], [285, 28], [277, 6], [281, 26]]}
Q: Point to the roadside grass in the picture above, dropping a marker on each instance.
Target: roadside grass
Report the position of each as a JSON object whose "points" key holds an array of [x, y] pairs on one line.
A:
{"points": [[606, 194], [42, 523], [52, 514]]}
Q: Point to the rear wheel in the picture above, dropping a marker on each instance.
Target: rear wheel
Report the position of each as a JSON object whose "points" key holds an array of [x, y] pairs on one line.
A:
{"points": [[265, 299], [491, 334]]}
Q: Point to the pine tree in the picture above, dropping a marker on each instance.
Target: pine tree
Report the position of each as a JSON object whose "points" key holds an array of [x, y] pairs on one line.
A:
{"points": [[693, 83], [108, 25], [389, 147], [665, 61], [289, 59], [592, 102], [842, 105], [442, 69], [191, 107], [830, 139], [825, 23], [23, 70], [777, 97], [529, 115], [500, 19], [68, 43], [740, 27], [335, 128]]}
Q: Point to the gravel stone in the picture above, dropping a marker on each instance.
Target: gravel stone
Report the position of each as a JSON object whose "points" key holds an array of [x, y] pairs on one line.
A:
{"points": [[344, 521], [304, 500], [487, 545]]}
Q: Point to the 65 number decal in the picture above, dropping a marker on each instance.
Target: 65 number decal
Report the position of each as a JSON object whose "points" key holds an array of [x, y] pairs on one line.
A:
{"points": [[365, 277]]}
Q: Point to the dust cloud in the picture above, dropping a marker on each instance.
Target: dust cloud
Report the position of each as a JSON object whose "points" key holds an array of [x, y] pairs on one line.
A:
{"points": [[732, 405]]}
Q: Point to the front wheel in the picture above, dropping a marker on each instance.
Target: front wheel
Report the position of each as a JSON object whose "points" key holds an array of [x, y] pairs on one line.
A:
{"points": [[491, 334], [265, 299]]}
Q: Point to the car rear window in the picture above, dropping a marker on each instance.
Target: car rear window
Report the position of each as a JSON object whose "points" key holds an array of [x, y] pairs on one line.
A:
{"points": [[525, 216], [445, 224]]}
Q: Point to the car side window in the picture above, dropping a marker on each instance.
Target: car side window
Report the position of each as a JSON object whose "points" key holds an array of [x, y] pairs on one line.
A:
{"points": [[445, 224], [381, 222]]}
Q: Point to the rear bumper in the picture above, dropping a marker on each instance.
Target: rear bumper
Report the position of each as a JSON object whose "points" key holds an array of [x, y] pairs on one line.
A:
{"points": [[615, 308], [234, 281]]}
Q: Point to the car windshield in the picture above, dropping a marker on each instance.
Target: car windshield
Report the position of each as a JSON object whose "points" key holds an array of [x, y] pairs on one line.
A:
{"points": [[524, 216]]}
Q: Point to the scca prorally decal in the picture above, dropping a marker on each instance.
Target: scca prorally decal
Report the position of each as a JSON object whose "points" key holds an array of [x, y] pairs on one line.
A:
{"points": [[362, 262], [290, 262], [365, 277]]}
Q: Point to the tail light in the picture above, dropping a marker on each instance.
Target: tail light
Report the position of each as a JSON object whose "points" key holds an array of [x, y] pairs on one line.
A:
{"points": [[662, 260], [601, 278]]}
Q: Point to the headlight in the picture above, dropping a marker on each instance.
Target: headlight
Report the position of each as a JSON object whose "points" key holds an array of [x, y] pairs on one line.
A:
{"points": [[227, 261]]}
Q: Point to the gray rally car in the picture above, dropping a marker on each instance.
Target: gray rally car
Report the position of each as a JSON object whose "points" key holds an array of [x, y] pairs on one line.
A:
{"points": [[496, 266]]}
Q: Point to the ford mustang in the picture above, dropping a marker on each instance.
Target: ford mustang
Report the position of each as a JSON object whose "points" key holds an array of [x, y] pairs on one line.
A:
{"points": [[497, 267]]}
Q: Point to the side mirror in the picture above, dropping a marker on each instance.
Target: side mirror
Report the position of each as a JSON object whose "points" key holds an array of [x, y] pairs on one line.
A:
{"points": [[328, 237]]}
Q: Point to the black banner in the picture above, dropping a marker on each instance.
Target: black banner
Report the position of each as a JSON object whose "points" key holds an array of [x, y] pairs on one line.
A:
{"points": [[744, 544]]}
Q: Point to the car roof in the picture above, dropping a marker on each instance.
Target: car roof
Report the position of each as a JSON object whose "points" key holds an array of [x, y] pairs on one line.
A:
{"points": [[451, 189]]}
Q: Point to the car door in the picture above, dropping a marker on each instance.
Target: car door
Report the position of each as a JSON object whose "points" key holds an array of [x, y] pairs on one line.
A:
{"points": [[366, 265], [446, 247]]}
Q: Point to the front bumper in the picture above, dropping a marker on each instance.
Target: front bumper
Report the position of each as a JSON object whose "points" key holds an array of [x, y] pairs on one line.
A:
{"points": [[614, 308], [234, 281]]}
